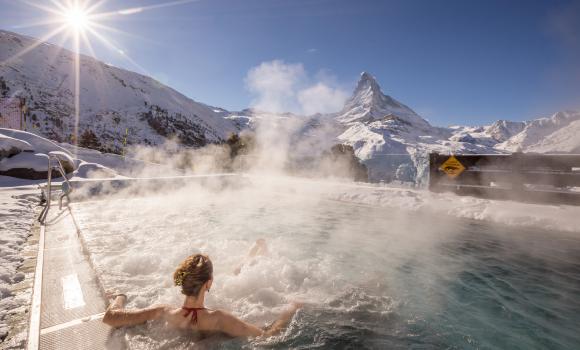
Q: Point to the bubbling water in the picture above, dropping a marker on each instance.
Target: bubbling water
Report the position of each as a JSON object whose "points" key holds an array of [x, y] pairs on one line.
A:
{"points": [[372, 277]]}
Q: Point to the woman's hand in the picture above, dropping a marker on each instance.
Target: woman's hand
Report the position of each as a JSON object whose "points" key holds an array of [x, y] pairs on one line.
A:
{"points": [[117, 316], [284, 319]]}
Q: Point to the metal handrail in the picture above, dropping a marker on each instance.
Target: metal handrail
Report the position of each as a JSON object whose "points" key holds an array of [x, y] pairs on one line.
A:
{"points": [[48, 195]]}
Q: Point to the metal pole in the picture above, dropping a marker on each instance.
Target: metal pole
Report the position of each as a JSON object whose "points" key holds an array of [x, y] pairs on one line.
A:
{"points": [[49, 184]]}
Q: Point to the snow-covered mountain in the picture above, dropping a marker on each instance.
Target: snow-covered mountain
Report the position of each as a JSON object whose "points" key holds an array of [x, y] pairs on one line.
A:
{"points": [[113, 101], [559, 133], [390, 138], [394, 141], [368, 104]]}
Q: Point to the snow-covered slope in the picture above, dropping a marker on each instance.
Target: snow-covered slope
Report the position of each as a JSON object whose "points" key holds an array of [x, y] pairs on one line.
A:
{"points": [[502, 130], [559, 133], [112, 100]]}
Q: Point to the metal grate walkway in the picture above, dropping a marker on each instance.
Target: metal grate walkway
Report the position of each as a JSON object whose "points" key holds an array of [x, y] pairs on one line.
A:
{"points": [[71, 304]]}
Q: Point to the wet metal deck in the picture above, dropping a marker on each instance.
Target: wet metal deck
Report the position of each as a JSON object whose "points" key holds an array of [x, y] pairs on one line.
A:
{"points": [[67, 301]]}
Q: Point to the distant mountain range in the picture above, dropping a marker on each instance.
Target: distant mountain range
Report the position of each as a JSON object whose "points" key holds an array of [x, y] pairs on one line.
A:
{"points": [[383, 131], [388, 136]]}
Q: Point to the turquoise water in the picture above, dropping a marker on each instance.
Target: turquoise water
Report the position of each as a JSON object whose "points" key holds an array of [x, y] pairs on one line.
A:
{"points": [[373, 277], [503, 296], [483, 286]]}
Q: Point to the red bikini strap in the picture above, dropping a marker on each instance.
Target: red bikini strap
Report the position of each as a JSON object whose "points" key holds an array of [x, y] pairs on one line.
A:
{"points": [[192, 311]]}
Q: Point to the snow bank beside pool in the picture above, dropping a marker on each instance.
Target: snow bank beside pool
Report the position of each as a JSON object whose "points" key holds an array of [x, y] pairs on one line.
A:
{"points": [[37, 143], [25, 155], [94, 171], [10, 146], [123, 165], [26, 160], [16, 217]]}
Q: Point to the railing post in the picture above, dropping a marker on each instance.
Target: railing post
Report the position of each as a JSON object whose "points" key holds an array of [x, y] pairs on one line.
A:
{"points": [[48, 195]]}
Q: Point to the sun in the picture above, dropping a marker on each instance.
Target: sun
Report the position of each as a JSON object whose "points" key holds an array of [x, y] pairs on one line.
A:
{"points": [[76, 18]]}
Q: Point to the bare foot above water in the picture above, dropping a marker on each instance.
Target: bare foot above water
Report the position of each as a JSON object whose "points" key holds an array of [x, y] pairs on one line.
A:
{"points": [[260, 248]]}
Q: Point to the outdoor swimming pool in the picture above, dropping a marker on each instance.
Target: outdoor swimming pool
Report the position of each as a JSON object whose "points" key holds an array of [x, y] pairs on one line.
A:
{"points": [[374, 277]]}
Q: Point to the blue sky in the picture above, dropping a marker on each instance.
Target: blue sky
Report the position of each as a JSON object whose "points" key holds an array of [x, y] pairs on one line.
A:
{"points": [[454, 62]]}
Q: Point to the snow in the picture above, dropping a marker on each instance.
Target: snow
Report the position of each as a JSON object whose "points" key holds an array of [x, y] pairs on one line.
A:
{"points": [[17, 216], [94, 171], [25, 160], [35, 161], [565, 139], [123, 165], [368, 103], [65, 159], [9, 181], [37, 143], [35, 152], [10, 145]]}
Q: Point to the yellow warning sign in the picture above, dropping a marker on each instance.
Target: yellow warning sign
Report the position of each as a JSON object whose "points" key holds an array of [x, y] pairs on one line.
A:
{"points": [[452, 167]]}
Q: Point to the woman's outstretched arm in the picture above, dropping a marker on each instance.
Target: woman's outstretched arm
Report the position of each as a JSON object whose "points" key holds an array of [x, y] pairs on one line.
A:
{"points": [[117, 316], [235, 327]]}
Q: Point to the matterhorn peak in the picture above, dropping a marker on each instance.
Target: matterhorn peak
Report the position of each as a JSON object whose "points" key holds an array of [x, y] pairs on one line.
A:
{"points": [[369, 103], [366, 76], [367, 83]]}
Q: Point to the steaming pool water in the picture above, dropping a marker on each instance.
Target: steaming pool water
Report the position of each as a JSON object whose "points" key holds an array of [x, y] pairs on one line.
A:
{"points": [[373, 277]]}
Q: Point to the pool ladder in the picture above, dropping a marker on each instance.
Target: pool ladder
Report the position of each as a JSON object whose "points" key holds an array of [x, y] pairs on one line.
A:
{"points": [[47, 193]]}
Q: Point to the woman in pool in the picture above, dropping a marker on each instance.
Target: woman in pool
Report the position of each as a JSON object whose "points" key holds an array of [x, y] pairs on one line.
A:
{"points": [[195, 277]]}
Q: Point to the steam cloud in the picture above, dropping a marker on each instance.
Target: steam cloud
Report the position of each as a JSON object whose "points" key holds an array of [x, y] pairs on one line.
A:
{"points": [[283, 87]]}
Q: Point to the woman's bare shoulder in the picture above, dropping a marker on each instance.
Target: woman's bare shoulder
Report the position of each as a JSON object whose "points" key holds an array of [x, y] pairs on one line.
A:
{"points": [[214, 317], [164, 309], [214, 313]]}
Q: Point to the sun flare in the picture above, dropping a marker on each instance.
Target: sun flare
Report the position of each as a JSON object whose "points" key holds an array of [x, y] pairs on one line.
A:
{"points": [[76, 18]]}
